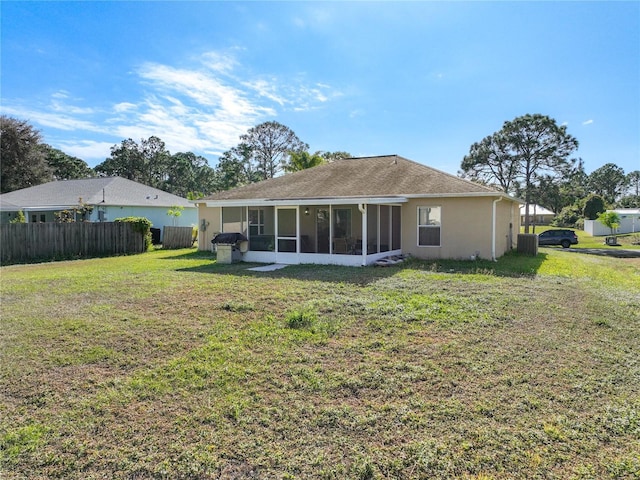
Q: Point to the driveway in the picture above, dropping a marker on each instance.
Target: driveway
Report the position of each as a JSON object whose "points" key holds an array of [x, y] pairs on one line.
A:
{"points": [[608, 252]]}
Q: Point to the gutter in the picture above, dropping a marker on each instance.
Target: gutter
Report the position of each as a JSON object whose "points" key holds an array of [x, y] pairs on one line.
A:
{"points": [[493, 229], [264, 202]]}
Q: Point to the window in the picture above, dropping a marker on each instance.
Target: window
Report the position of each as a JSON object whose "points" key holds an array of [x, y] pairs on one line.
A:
{"points": [[256, 221], [429, 226]]}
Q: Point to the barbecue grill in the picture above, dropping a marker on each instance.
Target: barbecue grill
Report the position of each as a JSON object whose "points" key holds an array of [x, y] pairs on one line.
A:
{"points": [[229, 246]]}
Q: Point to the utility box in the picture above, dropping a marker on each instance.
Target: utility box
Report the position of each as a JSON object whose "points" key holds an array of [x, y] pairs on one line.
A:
{"points": [[528, 243]]}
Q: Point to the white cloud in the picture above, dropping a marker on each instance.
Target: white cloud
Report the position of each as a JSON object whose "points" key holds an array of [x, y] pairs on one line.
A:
{"points": [[201, 108], [587, 122], [87, 149], [124, 107], [266, 89], [219, 62], [42, 117]]}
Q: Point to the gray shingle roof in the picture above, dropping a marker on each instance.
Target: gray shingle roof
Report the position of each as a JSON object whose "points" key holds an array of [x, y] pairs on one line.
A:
{"points": [[383, 176], [115, 191]]}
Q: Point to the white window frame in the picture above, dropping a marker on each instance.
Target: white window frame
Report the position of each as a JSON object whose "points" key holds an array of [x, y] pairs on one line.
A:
{"points": [[438, 226], [260, 223]]}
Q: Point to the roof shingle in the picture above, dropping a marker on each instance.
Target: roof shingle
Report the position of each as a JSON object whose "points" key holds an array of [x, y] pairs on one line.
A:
{"points": [[388, 175], [113, 190]]}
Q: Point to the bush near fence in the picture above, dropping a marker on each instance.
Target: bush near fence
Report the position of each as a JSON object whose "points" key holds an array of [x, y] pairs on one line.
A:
{"points": [[28, 242]]}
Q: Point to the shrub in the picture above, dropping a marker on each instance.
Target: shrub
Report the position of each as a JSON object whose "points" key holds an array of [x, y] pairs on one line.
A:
{"points": [[141, 225], [19, 218], [568, 217], [594, 205]]}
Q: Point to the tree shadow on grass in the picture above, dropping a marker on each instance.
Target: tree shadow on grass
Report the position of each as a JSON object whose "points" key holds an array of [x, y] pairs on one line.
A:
{"points": [[514, 265]]}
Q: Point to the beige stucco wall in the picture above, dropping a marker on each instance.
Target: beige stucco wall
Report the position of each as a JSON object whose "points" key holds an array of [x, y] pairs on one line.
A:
{"points": [[466, 227], [212, 219]]}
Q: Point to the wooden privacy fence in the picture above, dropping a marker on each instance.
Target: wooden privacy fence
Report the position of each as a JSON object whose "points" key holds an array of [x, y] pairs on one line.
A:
{"points": [[24, 242], [177, 237]]}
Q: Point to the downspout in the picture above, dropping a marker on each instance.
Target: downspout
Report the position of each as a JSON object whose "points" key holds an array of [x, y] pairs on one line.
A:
{"points": [[363, 210], [493, 229]]}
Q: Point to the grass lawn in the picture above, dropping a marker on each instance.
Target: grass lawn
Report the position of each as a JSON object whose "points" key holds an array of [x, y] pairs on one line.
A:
{"points": [[169, 365], [626, 240]]}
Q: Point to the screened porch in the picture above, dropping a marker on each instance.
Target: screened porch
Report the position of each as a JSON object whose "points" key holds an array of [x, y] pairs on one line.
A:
{"points": [[348, 234]]}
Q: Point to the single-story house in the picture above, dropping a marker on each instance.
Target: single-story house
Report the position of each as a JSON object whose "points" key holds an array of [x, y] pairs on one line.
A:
{"points": [[110, 197], [629, 223], [538, 215], [360, 210]]}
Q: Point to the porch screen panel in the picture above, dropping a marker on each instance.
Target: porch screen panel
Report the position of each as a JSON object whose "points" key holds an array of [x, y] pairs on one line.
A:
{"points": [[385, 226], [372, 229], [233, 220], [286, 229], [287, 222], [261, 229]]}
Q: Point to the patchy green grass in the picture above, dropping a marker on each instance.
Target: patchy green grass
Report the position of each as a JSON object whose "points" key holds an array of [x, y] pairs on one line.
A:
{"points": [[168, 365]]}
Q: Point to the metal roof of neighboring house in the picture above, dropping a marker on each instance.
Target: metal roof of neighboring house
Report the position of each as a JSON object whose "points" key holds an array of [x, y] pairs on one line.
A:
{"points": [[537, 209], [384, 176], [626, 211], [115, 191]]}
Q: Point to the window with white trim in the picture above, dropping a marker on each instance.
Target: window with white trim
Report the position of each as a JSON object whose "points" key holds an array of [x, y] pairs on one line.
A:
{"points": [[429, 226], [256, 221]]}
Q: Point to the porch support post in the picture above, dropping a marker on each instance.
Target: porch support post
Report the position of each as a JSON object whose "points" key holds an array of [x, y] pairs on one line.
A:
{"points": [[330, 229], [363, 210]]}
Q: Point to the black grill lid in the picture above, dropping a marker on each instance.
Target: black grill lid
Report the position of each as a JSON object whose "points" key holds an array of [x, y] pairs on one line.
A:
{"points": [[230, 238]]}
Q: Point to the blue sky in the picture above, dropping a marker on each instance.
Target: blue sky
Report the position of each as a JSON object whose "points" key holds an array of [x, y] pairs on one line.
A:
{"points": [[424, 80]]}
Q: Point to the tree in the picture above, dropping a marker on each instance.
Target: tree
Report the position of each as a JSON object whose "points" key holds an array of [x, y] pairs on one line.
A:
{"points": [[547, 193], [146, 162], [524, 151], [491, 162], [175, 212], [23, 163], [633, 182], [66, 167], [303, 160], [270, 144], [610, 219], [188, 172], [333, 156], [593, 206], [574, 185], [235, 168], [630, 201], [609, 181]]}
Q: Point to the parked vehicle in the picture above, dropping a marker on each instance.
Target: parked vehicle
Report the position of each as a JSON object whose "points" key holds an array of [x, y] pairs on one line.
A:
{"points": [[565, 238]]}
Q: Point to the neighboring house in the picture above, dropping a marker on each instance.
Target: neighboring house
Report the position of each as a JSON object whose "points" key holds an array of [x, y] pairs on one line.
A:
{"points": [[629, 223], [357, 211], [110, 197], [537, 215]]}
